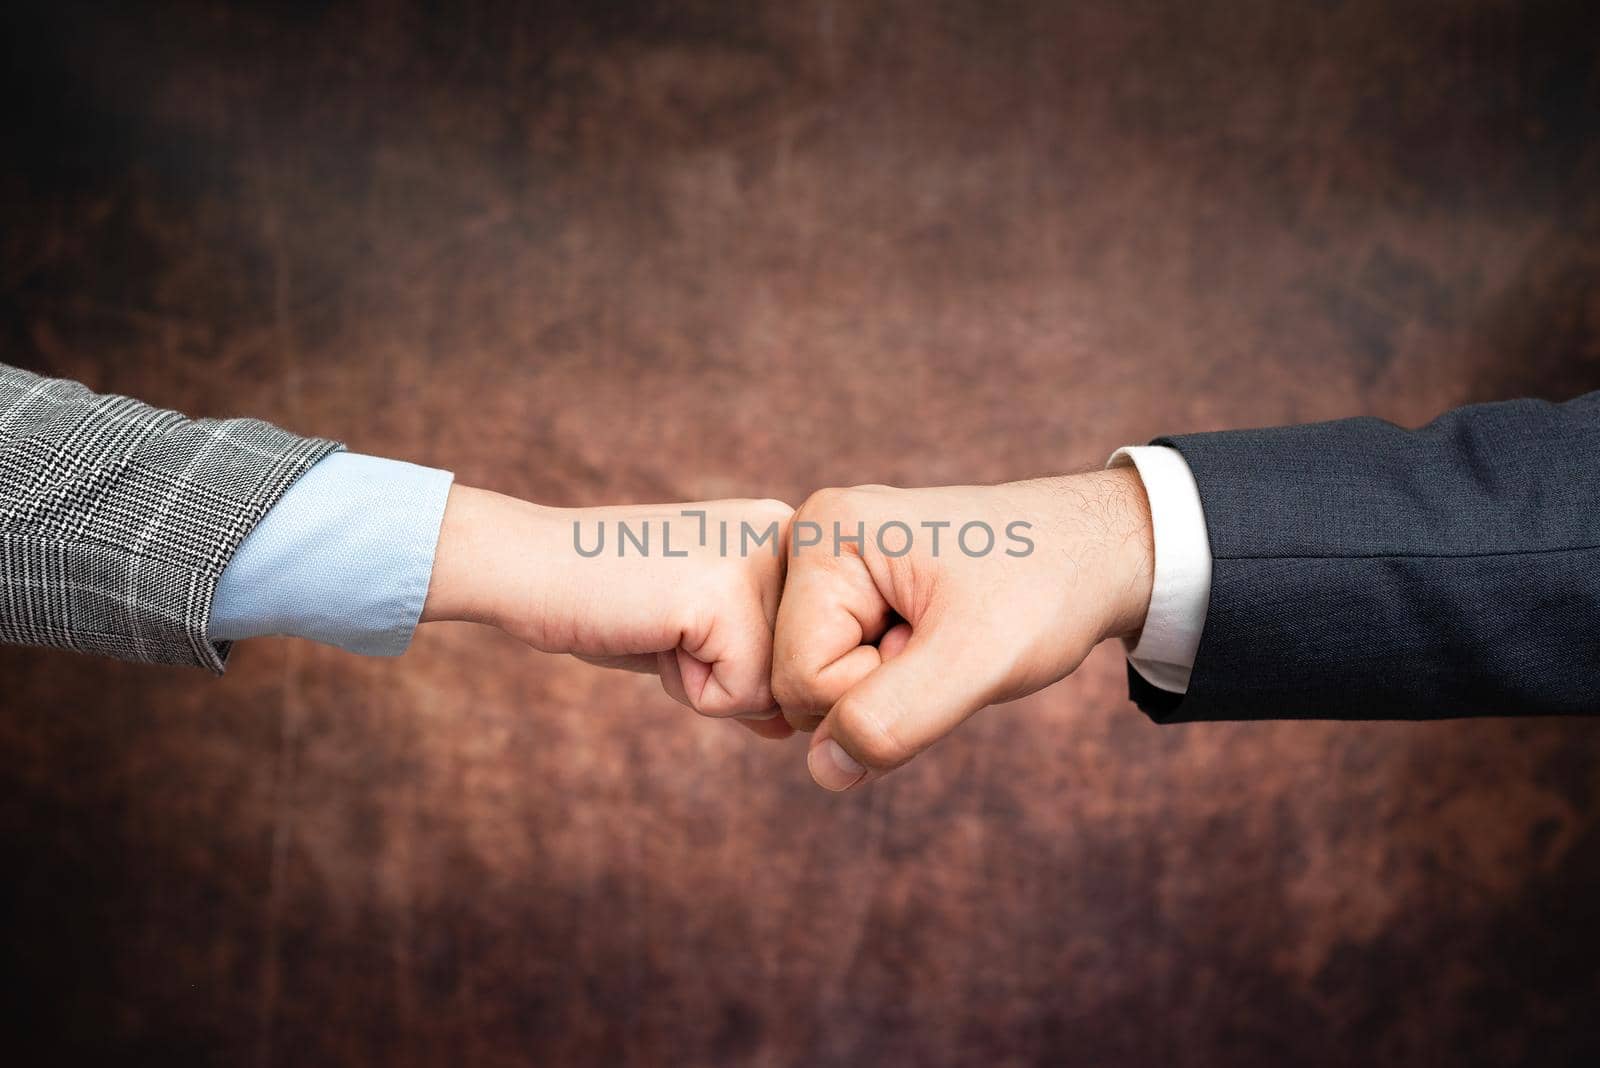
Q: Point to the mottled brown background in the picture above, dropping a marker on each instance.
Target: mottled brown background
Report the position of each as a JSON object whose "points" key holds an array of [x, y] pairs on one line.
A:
{"points": [[593, 252]]}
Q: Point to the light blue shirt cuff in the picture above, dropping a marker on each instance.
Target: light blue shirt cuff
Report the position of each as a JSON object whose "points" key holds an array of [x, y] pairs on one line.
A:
{"points": [[344, 557]]}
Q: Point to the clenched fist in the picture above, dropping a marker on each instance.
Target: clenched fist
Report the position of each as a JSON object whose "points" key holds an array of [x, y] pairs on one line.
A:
{"points": [[685, 591], [907, 610]]}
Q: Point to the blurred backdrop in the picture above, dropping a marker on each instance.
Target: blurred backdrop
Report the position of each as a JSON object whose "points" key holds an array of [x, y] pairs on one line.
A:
{"points": [[594, 252]]}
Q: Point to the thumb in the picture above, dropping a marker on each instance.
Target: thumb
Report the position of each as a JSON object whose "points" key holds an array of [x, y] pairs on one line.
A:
{"points": [[901, 707]]}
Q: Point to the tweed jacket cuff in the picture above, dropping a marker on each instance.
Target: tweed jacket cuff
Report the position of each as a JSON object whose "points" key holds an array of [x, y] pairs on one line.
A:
{"points": [[117, 518]]}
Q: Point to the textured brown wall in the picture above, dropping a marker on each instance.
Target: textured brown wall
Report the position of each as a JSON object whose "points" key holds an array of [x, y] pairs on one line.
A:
{"points": [[593, 252]]}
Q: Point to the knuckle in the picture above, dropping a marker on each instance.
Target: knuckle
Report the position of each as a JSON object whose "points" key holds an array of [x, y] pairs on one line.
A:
{"points": [[772, 508], [720, 701], [724, 706], [760, 512], [799, 693], [715, 704], [828, 501], [789, 689]]}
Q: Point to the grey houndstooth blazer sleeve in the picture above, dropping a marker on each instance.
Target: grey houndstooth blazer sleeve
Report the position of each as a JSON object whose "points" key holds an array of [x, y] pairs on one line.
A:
{"points": [[116, 518]]}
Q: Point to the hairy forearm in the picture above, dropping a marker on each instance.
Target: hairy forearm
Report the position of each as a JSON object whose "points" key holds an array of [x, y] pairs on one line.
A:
{"points": [[1116, 500]]}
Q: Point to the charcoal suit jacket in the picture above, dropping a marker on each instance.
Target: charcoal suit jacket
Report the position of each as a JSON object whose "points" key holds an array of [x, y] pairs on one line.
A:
{"points": [[1365, 571]]}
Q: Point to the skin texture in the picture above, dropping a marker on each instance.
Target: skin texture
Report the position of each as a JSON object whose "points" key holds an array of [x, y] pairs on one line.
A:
{"points": [[882, 655], [702, 620], [882, 646]]}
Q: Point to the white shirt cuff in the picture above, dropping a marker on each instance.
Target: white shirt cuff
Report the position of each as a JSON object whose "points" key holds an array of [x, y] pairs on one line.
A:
{"points": [[1181, 589]]}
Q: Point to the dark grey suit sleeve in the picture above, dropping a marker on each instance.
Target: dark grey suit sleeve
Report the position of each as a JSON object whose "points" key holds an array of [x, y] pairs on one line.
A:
{"points": [[1365, 571], [116, 518]]}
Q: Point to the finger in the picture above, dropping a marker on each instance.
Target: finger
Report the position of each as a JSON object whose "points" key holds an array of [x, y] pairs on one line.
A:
{"points": [[773, 727], [693, 672], [828, 684], [909, 702], [728, 671], [830, 613], [769, 724], [894, 641], [643, 663], [672, 678], [804, 722]]}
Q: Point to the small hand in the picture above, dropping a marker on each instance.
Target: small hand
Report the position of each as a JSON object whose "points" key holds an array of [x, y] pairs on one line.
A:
{"points": [[685, 591]]}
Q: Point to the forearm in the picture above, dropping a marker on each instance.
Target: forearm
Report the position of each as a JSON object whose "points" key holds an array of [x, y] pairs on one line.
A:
{"points": [[1105, 517], [361, 553], [483, 546]]}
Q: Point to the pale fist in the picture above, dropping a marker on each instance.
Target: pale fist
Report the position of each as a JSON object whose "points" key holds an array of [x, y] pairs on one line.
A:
{"points": [[686, 591]]}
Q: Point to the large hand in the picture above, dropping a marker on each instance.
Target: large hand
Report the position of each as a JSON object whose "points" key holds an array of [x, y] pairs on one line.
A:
{"points": [[691, 597], [896, 637]]}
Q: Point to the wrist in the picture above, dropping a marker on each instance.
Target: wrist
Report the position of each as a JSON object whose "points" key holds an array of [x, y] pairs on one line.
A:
{"points": [[477, 563], [1104, 519], [1130, 551]]}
